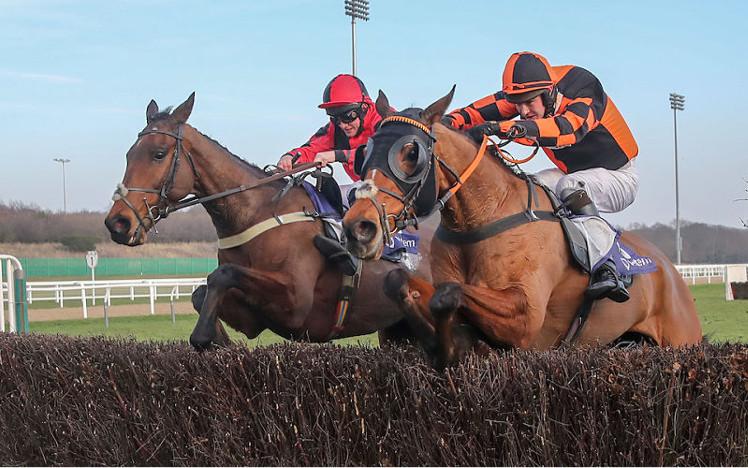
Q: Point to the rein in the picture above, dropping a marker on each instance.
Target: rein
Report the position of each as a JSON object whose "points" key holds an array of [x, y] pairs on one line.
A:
{"points": [[165, 207], [405, 218]]}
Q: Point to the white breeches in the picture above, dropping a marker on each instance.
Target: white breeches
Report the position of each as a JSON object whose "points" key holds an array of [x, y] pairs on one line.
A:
{"points": [[611, 191]]}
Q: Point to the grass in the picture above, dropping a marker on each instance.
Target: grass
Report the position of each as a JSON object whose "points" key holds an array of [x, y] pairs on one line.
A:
{"points": [[161, 328], [722, 321]]}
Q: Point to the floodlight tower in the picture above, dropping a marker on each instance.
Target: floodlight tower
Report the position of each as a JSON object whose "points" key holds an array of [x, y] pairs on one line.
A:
{"points": [[356, 9], [677, 103], [63, 161]]}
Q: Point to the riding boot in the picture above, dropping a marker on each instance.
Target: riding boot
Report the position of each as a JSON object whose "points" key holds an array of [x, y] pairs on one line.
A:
{"points": [[336, 253], [607, 283], [578, 202]]}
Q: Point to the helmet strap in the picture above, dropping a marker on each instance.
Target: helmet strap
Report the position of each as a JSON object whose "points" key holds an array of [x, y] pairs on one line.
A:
{"points": [[364, 108], [549, 101]]}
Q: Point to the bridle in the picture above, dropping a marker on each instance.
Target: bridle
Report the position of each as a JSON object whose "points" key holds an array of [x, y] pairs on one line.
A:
{"points": [[412, 186], [165, 206]]}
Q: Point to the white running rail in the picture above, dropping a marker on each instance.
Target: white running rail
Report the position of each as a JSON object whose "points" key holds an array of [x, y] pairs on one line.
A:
{"points": [[81, 292], [704, 273]]}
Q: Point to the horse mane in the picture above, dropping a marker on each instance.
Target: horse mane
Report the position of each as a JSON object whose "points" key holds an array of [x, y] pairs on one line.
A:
{"points": [[255, 169]]}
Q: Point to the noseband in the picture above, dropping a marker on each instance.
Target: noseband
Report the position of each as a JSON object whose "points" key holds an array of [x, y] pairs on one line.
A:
{"points": [[164, 206]]}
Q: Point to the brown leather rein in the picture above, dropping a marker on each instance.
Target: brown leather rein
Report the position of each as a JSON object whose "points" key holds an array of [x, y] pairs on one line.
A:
{"points": [[165, 206]]}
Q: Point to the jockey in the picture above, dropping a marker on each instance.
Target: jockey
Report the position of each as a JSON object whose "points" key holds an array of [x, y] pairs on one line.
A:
{"points": [[566, 111], [353, 119]]}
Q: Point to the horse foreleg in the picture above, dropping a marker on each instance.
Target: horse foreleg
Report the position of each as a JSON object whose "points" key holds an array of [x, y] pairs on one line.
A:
{"points": [[257, 287], [503, 315], [412, 295], [444, 303], [198, 298]]}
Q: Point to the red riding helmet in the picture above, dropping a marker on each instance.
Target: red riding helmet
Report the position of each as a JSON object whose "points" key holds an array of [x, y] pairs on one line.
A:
{"points": [[527, 75], [343, 90]]}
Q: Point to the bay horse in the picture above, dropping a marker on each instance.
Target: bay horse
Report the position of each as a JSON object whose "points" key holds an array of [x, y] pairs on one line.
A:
{"points": [[519, 288], [277, 280]]}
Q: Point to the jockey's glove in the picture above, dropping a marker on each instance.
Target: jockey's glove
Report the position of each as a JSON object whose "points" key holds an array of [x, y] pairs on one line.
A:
{"points": [[493, 128], [487, 128]]}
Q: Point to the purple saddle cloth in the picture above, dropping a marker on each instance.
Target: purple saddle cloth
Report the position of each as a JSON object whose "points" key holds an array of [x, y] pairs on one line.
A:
{"points": [[321, 205], [627, 261], [402, 242]]}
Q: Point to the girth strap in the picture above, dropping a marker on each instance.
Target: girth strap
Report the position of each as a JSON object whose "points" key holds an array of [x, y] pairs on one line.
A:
{"points": [[492, 229], [270, 223]]}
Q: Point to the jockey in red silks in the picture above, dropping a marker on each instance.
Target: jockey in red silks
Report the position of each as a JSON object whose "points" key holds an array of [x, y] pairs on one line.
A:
{"points": [[353, 119]]}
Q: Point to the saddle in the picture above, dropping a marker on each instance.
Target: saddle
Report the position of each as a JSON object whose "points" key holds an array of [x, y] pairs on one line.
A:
{"points": [[583, 232]]}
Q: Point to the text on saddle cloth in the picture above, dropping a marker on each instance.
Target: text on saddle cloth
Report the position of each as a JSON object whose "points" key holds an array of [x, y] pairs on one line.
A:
{"points": [[604, 243]]}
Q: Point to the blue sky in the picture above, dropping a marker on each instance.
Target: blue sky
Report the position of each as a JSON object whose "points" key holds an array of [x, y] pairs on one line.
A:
{"points": [[76, 76]]}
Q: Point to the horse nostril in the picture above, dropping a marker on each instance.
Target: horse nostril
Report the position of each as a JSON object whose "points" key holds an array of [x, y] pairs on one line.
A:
{"points": [[118, 225], [364, 231]]}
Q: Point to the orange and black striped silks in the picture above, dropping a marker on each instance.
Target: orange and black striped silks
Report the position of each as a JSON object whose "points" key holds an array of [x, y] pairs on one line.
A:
{"points": [[585, 130]]}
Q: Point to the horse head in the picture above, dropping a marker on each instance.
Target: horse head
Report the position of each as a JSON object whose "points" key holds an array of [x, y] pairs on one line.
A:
{"points": [[159, 173], [404, 178]]}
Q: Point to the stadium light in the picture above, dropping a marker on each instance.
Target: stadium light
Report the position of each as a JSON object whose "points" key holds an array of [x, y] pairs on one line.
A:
{"points": [[677, 103], [356, 9], [63, 161]]}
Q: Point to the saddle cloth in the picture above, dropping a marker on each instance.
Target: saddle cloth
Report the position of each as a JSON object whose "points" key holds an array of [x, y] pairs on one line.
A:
{"points": [[603, 243], [404, 246]]}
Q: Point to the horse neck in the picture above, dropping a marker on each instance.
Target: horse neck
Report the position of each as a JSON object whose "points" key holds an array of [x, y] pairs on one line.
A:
{"points": [[492, 191], [219, 170]]}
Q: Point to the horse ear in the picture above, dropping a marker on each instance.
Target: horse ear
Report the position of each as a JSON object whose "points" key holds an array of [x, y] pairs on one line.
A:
{"points": [[383, 105], [151, 110], [435, 111], [182, 113]]}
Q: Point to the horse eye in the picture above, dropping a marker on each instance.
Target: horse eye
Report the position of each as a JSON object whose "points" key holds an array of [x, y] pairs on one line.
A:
{"points": [[412, 152], [160, 154]]}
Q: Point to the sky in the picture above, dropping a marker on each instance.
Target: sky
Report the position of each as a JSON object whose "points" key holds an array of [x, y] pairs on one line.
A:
{"points": [[76, 77]]}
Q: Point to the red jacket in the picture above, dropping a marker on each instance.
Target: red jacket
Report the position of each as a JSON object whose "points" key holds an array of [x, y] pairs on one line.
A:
{"points": [[331, 137]]}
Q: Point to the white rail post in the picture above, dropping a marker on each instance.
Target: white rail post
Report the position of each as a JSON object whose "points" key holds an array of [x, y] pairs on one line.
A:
{"points": [[2, 301], [18, 319], [83, 300], [152, 291], [11, 297], [174, 290]]}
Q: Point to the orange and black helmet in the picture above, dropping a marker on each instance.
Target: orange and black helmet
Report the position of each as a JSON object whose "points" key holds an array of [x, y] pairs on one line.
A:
{"points": [[344, 90], [527, 75]]}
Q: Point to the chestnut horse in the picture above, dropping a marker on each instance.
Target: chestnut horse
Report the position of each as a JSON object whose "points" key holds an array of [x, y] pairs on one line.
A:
{"points": [[277, 280], [519, 288]]}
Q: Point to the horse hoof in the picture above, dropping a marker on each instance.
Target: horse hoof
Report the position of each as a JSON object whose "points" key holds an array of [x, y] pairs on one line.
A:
{"points": [[393, 284], [447, 298], [200, 343]]}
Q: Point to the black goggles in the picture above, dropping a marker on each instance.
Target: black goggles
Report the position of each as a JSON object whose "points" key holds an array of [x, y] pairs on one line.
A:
{"points": [[345, 116]]}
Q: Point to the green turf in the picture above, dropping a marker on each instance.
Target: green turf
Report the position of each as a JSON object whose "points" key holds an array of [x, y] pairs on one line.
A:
{"points": [[722, 321], [160, 328]]}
